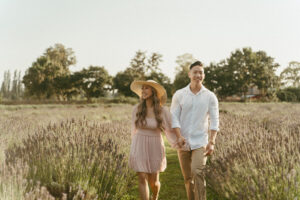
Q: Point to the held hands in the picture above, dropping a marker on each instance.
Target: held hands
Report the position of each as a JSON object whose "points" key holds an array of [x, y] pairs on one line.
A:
{"points": [[180, 141], [209, 149]]}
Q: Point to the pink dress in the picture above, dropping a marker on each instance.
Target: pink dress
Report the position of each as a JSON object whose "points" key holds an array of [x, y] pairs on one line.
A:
{"points": [[147, 152]]}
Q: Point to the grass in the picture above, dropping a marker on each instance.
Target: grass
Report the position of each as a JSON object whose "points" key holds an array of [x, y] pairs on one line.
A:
{"points": [[172, 179]]}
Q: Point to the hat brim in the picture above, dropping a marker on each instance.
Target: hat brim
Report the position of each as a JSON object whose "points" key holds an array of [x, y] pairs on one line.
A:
{"points": [[136, 87]]}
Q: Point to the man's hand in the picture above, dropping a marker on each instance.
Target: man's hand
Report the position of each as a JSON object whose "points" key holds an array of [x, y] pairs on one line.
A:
{"points": [[181, 141], [209, 149]]}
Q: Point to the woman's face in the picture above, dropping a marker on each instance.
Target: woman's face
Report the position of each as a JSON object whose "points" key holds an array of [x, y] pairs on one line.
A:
{"points": [[146, 92]]}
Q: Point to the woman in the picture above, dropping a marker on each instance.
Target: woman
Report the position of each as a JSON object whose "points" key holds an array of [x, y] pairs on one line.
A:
{"points": [[149, 119]]}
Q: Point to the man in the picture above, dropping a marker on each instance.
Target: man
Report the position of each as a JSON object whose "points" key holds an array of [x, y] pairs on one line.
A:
{"points": [[191, 106]]}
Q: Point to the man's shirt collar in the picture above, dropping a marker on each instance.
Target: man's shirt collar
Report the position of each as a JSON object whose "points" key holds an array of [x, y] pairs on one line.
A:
{"points": [[188, 89]]}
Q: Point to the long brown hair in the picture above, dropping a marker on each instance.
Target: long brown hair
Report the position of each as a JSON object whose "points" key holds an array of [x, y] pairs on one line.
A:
{"points": [[142, 111]]}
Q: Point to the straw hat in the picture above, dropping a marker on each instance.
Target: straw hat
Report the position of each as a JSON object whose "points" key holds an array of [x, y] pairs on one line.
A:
{"points": [[136, 87]]}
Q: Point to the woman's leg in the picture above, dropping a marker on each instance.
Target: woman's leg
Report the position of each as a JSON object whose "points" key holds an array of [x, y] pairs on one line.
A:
{"points": [[154, 184], [143, 185]]}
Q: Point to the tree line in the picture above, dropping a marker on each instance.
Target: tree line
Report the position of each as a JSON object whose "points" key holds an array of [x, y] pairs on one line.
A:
{"points": [[12, 88], [49, 77]]}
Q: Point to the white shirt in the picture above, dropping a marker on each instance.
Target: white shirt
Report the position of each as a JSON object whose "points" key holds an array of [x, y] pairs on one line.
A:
{"points": [[190, 113]]}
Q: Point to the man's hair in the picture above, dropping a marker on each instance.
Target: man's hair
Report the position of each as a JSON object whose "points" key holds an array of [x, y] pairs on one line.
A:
{"points": [[197, 63]]}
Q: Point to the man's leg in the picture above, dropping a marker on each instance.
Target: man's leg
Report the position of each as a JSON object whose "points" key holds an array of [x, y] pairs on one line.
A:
{"points": [[185, 165], [197, 171]]}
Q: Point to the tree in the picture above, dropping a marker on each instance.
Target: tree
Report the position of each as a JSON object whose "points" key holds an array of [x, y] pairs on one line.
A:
{"points": [[94, 81], [20, 88], [153, 72], [242, 70], [14, 90], [61, 58], [163, 80], [122, 81], [153, 64], [290, 76], [65, 87], [289, 94], [264, 76], [138, 65], [239, 70], [140, 68], [11, 89], [135, 71], [181, 78], [35, 79], [6, 85], [39, 79]]}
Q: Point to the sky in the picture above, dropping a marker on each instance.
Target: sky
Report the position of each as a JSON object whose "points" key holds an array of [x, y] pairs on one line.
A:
{"points": [[109, 32]]}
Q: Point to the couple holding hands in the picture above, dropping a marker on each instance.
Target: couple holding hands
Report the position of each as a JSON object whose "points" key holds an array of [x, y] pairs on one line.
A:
{"points": [[186, 127]]}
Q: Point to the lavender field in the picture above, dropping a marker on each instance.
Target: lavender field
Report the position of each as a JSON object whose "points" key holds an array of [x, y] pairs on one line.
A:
{"points": [[80, 152]]}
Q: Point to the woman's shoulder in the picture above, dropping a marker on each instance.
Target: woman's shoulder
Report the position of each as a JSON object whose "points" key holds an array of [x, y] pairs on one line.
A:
{"points": [[135, 107]]}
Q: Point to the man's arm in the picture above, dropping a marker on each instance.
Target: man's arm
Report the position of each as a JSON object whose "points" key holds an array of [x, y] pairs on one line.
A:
{"points": [[214, 124], [176, 112], [214, 113], [180, 139], [212, 137]]}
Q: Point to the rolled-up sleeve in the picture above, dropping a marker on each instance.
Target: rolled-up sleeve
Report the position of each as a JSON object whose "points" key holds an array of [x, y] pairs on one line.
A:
{"points": [[214, 112], [175, 111]]}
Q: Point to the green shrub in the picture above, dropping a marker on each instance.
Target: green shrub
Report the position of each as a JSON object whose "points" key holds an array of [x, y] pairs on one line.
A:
{"points": [[295, 91], [123, 99], [290, 94]]}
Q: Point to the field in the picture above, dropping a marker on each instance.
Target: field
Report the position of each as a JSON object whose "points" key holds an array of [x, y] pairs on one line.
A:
{"points": [[81, 152]]}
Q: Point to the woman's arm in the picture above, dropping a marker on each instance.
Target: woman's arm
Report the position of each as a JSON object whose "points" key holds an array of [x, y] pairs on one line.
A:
{"points": [[173, 135]]}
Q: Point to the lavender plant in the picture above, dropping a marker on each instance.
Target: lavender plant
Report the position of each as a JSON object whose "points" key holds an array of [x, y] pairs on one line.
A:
{"points": [[75, 155], [256, 159]]}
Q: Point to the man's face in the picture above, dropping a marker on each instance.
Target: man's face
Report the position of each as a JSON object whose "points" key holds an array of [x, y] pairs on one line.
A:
{"points": [[196, 74]]}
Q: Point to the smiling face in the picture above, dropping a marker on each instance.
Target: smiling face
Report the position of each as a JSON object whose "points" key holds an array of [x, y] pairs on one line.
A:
{"points": [[196, 74], [146, 92]]}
